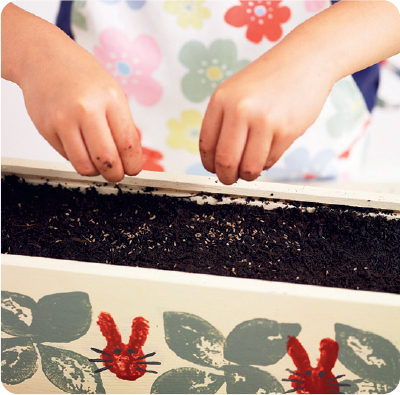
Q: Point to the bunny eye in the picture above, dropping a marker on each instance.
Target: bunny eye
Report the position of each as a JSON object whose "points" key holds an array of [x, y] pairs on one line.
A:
{"points": [[308, 372], [322, 374], [117, 351], [131, 351]]}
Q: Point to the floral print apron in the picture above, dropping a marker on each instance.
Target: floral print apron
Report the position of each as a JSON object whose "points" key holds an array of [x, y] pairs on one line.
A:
{"points": [[169, 56]]}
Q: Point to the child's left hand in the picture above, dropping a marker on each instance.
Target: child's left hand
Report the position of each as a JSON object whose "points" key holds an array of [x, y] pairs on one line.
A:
{"points": [[254, 116]]}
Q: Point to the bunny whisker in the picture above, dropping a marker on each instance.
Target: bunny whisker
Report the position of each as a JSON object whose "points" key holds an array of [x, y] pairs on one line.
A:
{"points": [[102, 369], [145, 356], [147, 371], [294, 381], [337, 377], [294, 390], [296, 373], [100, 351], [100, 360]]}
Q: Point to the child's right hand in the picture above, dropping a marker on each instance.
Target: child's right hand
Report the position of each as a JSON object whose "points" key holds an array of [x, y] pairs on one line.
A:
{"points": [[75, 104]]}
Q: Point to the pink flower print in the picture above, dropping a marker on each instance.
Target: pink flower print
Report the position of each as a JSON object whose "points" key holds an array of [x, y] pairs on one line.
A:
{"points": [[314, 5], [262, 18], [131, 62]]}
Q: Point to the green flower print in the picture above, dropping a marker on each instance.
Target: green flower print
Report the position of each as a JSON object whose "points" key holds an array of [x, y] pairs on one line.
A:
{"points": [[220, 359], [28, 324], [208, 67], [374, 359], [350, 108], [77, 18]]}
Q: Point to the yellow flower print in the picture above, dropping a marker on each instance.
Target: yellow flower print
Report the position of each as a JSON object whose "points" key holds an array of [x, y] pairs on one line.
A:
{"points": [[190, 12], [185, 133]]}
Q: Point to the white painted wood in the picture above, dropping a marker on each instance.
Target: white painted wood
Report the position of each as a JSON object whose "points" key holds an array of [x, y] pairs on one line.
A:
{"points": [[63, 173]]}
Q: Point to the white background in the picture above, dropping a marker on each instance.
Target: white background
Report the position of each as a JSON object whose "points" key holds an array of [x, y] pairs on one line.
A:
{"points": [[19, 138]]}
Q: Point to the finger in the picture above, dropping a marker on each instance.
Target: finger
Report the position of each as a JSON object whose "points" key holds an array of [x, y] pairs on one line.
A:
{"points": [[56, 143], [209, 135], [76, 151], [101, 147], [256, 152], [230, 148], [279, 145], [126, 138]]}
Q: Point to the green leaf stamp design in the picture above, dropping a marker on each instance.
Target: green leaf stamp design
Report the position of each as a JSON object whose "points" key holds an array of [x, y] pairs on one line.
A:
{"points": [[70, 371], [16, 313], [370, 356], [194, 339], [259, 342], [250, 380], [361, 386], [19, 360], [254, 342], [187, 381], [61, 317]]}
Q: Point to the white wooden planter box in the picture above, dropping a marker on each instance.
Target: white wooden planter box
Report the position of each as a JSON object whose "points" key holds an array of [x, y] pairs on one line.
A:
{"points": [[209, 334]]}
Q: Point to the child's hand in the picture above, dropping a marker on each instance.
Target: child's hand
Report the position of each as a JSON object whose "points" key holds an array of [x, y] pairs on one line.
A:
{"points": [[254, 116], [83, 113], [75, 104]]}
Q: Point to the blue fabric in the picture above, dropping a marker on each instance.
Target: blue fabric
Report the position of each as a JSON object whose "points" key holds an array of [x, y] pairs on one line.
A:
{"points": [[367, 80], [368, 83], [64, 17]]}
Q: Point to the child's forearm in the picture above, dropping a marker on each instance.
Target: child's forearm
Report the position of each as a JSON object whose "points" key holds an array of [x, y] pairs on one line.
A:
{"points": [[73, 101], [22, 35], [346, 37]]}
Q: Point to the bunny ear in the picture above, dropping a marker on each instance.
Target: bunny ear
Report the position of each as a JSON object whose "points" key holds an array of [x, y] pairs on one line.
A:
{"points": [[298, 354], [329, 350], [140, 330], [109, 329]]}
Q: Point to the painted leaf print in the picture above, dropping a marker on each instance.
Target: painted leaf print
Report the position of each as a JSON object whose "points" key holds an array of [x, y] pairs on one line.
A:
{"points": [[262, 18], [208, 67], [360, 386], [60, 318], [368, 355], [49, 319], [189, 12], [52, 319], [266, 336], [70, 371], [194, 339], [19, 360], [187, 381], [251, 380], [132, 63], [16, 313]]}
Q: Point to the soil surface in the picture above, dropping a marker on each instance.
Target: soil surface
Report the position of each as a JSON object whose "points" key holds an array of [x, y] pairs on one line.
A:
{"points": [[335, 247]]}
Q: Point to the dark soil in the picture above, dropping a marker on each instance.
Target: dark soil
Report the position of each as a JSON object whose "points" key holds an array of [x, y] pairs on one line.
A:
{"points": [[335, 247]]}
